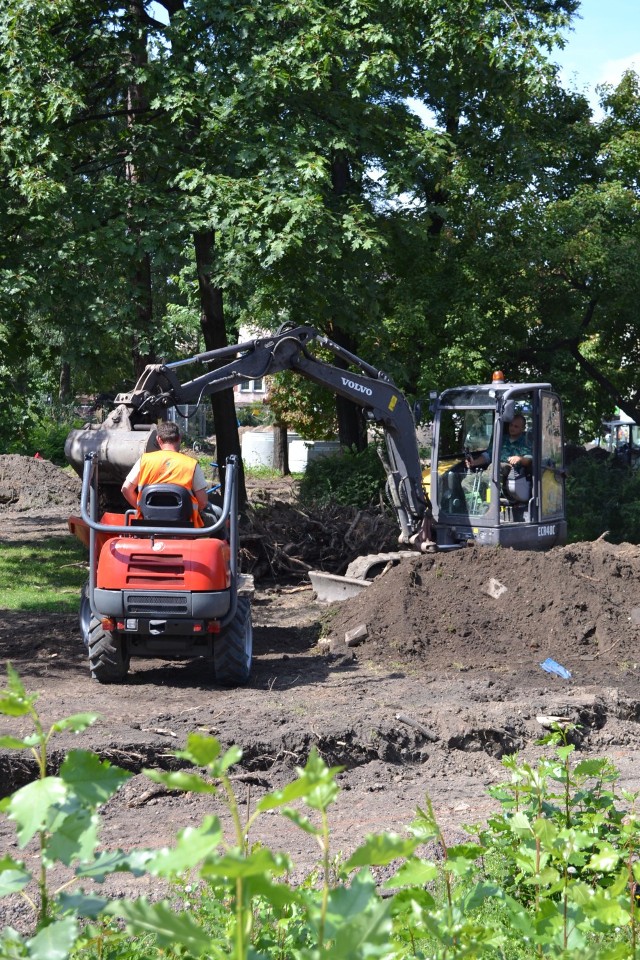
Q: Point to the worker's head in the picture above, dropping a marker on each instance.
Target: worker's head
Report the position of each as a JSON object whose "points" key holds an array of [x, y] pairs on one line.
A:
{"points": [[517, 426], [168, 434]]}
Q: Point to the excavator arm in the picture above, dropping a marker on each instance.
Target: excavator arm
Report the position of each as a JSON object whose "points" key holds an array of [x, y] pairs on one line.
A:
{"points": [[159, 388]]}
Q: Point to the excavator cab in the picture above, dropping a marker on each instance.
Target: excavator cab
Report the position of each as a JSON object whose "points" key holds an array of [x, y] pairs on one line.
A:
{"points": [[497, 502]]}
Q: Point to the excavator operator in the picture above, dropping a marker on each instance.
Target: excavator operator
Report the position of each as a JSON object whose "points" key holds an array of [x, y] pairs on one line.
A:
{"points": [[168, 465]]}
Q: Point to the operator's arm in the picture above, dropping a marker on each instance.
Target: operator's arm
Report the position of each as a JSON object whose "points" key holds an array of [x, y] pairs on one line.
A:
{"points": [[129, 492], [130, 486], [523, 459], [481, 460], [200, 488]]}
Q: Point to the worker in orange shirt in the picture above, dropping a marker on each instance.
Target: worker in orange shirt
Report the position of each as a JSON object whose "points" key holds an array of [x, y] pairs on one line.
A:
{"points": [[168, 465]]}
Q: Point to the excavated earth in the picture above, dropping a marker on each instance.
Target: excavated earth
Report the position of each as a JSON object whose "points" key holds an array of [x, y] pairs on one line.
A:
{"points": [[446, 681]]}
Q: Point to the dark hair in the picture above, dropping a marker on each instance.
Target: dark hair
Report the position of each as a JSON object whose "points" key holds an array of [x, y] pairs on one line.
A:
{"points": [[168, 432], [519, 416]]}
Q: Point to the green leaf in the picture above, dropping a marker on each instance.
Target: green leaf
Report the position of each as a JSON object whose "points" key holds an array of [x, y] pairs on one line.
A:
{"points": [[295, 790], [232, 756], [315, 785], [606, 859], [465, 851], [13, 876], [544, 878], [93, 780], [413, 873], [607, 910], [166, 925], [545, 830], [479, 894], [301, 821], [234, 864], [424, 827], [590, 768], [14, 706], [346, 902], [77, 722], [16, 687], [200, 750], [182, 780], [367, 935], [12, 945], [193, 845], [55, 941], [380, 849], [13, 743], [83, 904], [116, 861], [30, 806], [281, 896], [74, 838], [520, 825]]}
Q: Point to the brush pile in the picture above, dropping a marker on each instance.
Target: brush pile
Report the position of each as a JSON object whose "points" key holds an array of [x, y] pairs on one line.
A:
{"points": [[285, 539]]}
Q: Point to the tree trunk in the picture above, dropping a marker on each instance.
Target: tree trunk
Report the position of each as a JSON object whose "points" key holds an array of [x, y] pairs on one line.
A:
{"points": [[215, 336], [64, 385], [352, 429], [351, 426], [281, 449]]}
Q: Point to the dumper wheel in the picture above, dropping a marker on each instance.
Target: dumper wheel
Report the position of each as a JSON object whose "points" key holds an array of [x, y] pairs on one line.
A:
{"points": [[233, 649], [85, 614], [108, 657]]}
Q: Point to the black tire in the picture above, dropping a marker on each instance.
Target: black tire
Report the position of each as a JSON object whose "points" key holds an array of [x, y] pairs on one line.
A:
{"points": [[233, 649], [108, 657]]}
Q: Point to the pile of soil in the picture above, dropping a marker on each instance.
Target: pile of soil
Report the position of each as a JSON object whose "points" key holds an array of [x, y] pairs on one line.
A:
{"points": [[505, 610], [36, 486]]}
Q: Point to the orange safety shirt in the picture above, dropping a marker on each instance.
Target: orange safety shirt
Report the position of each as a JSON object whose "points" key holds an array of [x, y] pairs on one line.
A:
{"points": [[169, 466]]}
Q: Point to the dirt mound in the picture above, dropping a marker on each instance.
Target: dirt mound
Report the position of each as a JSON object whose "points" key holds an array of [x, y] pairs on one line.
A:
{"points": [[504, 610], [28, 484]]}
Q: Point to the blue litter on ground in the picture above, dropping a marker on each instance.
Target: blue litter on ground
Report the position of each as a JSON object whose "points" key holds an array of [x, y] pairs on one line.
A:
{"points": [[552, 667]]}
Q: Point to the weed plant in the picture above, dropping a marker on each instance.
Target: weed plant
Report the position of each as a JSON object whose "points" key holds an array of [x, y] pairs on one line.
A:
{"points": [[552, 874]]}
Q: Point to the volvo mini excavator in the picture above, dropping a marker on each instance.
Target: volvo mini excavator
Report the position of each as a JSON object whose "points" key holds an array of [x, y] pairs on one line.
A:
{"points": [[158, 587]]}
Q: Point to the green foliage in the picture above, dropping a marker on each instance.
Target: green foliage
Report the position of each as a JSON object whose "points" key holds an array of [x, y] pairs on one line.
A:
{"points": [[328, 200], [552, 873], [51, 575], [303, 406], [603, 496], [252, 415], [350, 477], [46, 437]]}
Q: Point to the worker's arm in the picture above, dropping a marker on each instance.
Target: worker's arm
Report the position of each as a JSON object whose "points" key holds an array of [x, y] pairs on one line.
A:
{"points": [[481, 460], [130, 493], [199, 487], [201, 497]]}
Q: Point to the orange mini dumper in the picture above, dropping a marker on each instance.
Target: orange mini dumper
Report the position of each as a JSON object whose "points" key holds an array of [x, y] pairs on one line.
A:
{"points": [[159, 587]]}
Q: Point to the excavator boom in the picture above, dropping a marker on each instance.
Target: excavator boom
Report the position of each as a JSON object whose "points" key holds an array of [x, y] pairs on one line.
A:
{"points": [[128, 431]]}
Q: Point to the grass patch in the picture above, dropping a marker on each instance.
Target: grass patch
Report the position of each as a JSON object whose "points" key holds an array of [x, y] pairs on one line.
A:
{"points": [[46, 577]]}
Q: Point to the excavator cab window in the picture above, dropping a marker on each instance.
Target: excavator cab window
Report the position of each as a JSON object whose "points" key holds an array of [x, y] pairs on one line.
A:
{"points": [[463, 433]]}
